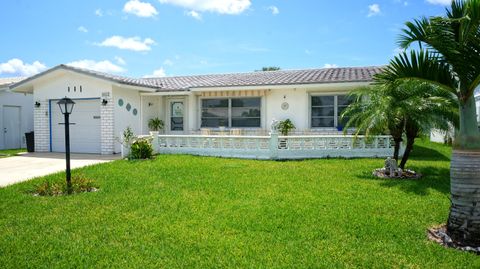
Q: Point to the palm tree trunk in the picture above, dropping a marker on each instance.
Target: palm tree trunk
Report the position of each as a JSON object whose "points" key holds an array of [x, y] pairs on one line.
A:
{"points": [[411, 130], [468, 136], [464, 218], [396, 148], [406, 154]]}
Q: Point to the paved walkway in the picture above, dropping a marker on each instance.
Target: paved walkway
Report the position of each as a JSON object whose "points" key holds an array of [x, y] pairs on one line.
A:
{"points": [[26, 166]]}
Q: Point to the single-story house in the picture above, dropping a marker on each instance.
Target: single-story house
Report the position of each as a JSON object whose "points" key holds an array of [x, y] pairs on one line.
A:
{"points": [[16, 115], [239, 103]]}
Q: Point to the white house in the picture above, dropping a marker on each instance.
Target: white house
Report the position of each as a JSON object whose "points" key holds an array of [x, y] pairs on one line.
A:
{"points": [[238, 104], [16, 115]]}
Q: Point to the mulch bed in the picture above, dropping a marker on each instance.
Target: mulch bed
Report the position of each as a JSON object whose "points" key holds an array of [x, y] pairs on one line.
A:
{"points": [[439, 235]]}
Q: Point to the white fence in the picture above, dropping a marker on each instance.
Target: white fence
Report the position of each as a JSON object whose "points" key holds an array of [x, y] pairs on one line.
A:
{"points": [[274, 146]]}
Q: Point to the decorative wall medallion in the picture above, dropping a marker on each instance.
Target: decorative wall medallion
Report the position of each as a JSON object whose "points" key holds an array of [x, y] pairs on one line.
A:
{"points": [[285, 105], [120, 102], [128, 107], [134, 111]]}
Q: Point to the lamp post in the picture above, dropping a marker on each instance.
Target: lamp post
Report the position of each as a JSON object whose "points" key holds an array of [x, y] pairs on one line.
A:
{"points": [[66, 107]]}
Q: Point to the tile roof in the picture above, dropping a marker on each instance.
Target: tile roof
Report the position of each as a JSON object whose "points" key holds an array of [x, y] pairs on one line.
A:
{"points": [[283, 77], [260, 78]]}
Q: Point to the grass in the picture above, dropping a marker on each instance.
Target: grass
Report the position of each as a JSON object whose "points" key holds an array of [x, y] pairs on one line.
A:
{"points": [[10, 152], [187, 211]]}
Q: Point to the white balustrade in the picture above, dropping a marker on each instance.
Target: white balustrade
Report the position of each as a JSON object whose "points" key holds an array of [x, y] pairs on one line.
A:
{"points": [[274, 146]]}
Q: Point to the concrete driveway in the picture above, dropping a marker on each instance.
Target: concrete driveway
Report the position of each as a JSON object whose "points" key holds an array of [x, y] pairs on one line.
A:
{"points": [[26, 166]]}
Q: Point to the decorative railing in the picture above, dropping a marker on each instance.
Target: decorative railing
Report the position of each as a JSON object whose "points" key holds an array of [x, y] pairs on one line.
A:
{"points": [[274, 146]]}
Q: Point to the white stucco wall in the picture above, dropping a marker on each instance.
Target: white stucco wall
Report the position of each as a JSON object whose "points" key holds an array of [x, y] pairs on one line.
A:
{"points": [[298, 99], [25, 102], [153, 106], [125, 118], [55, 86]]}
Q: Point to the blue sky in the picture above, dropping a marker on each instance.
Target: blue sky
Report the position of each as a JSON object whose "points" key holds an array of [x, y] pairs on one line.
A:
{"points": [[181, 37]]}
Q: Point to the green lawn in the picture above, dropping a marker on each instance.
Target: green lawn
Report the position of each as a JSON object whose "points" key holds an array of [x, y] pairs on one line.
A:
{"points": [[10, 152], [187, 211]]}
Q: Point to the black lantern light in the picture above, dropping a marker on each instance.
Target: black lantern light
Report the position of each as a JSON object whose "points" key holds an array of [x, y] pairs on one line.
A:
{"points": [[104, 102], [66, 106]]}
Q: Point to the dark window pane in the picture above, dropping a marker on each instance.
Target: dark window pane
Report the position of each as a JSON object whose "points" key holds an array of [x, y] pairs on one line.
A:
{"points": [[214, 122], [322, 122], [176, 123], [246, 102], [343, 122], [245, 112], [214, 103], [344, 100], [215, 112], [322, 111], [322, 100], [242, 122]]}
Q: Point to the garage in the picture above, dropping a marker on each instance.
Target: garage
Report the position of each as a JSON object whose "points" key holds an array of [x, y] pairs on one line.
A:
{"points": [[84, 128]]}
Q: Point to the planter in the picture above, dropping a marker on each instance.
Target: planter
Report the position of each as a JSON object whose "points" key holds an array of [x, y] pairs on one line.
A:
{"points": [[125, 151], [154, 133], [464, 219]]}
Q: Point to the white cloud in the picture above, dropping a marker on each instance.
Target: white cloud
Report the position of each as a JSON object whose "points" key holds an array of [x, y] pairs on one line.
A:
{"points": [[274, 10], [120, 60], [440, 2], [157, 73], [194, 14], [168, 62], [101, 66], [82, 29], [19, 68], [373, 10], [231, 7], [140, 9], [330, 66], [98, 12], [128, 43]]}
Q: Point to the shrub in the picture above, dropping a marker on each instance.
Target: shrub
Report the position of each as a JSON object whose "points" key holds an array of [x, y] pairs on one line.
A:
{"points": [[141, 149], [80, 183], [285, 126]]}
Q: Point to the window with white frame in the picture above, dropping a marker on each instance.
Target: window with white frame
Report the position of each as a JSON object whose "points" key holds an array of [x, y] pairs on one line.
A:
{"points": [[231, 112], [327, 109]]}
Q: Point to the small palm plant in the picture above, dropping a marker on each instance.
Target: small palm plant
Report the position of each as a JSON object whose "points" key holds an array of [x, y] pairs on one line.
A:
{"points": [[285, 126], [155, 124]]}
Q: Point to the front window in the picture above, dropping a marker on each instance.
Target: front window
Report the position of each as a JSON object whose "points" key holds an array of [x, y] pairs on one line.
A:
{"points": [[326, 110], [231, 112]]}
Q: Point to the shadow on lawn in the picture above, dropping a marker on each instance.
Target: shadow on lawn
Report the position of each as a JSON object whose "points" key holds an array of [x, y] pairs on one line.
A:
{"points": [[433, 178], [427, 154]]}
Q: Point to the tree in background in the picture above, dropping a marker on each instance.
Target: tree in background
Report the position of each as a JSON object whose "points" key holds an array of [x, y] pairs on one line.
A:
{"points": [[270, 68]]}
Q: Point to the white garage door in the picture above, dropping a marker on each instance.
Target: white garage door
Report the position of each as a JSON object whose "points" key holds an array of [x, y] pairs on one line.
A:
{"points": [[85, 128]]}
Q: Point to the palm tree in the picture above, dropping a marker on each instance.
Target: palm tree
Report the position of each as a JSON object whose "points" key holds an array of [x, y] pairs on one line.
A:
{"points": [[412, 107], [424, 107], [373, 112], [452, 62]]}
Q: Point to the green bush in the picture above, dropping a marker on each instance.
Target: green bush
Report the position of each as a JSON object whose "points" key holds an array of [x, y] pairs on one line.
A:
{"points": [[80, 183], [285, 126], [141, 149]]}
